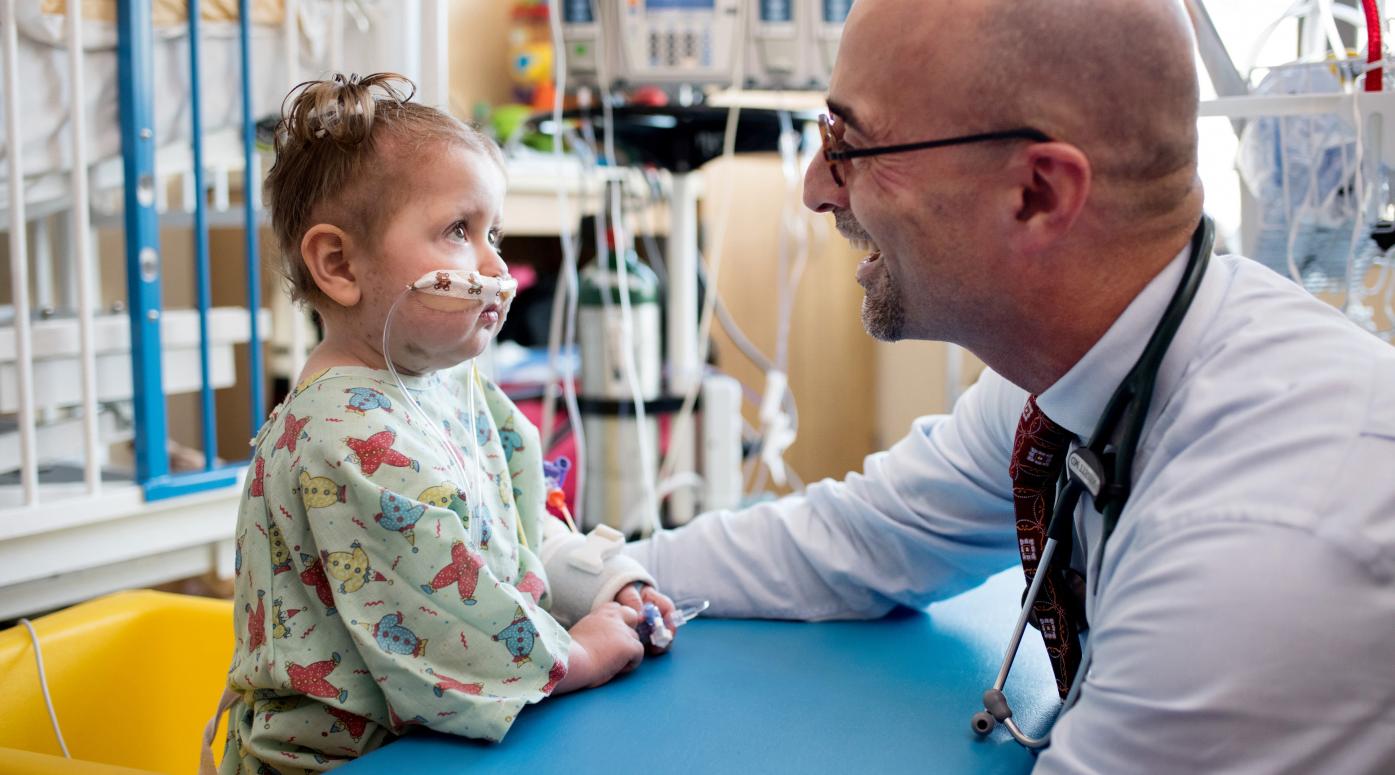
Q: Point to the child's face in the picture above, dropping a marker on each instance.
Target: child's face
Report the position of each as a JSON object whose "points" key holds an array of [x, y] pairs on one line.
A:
{"points": [[450, 221]]}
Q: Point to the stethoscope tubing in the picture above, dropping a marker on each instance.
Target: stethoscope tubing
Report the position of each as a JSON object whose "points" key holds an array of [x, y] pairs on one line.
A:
{"points": [[1128, 406], [995, 703], [1018, 630]]}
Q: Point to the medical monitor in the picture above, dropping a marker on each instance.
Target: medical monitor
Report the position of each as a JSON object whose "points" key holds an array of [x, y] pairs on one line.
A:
{"points": [[788, 44]]}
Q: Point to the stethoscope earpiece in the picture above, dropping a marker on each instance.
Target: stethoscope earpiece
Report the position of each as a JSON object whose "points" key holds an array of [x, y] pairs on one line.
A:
{"points": [[983, 723]]}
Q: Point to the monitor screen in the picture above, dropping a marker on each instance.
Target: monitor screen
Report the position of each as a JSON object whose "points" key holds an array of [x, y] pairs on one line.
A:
{"points": [[680, 5], [577, 12], [776, 11], [836, 11]]}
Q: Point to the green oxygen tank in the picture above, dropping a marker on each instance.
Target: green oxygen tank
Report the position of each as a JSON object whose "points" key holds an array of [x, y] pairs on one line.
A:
{"points": [[618, 477]]}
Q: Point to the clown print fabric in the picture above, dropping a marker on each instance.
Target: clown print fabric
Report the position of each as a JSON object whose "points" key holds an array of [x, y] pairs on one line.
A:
{"points": [[363, 607]]}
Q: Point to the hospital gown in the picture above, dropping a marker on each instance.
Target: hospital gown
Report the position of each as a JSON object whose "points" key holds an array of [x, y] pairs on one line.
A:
{"points": [[362, 605]]}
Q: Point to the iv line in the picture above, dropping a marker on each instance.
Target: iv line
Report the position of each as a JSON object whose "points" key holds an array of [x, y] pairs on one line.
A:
{"points": [[475, 505]]}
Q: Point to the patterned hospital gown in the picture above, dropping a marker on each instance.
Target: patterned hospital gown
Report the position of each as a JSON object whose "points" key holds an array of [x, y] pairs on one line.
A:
{"points": [[363, 607]]}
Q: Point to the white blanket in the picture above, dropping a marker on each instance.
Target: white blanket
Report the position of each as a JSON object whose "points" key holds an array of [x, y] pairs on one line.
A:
{"points": [[46, 83]]}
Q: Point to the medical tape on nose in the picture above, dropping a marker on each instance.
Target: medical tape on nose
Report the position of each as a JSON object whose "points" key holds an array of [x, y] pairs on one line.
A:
{"points": [[471, 286]]}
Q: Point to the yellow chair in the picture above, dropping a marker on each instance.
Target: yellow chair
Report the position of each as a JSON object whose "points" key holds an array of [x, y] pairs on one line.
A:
{"points": [[134, 677]]}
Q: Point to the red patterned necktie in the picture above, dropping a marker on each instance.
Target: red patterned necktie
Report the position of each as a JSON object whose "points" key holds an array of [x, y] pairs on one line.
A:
{"points": [[1038, 454]]}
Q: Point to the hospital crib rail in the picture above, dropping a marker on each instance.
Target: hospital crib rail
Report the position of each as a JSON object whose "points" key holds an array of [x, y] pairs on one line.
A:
{"points": [[61, 545]]}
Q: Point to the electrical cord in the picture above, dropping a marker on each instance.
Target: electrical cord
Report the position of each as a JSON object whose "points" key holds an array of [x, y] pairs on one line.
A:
{"points": [[683, 421], [743, 342], [646, 453], [562, 327], [43, 686], [611, 212]]}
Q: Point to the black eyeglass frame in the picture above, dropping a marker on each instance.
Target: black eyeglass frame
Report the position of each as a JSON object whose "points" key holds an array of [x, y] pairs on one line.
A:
{"points": [[833, 157]]}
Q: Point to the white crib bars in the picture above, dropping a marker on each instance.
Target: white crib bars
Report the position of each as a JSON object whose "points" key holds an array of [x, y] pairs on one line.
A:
{"points": [[80, 241], [19, 264]]}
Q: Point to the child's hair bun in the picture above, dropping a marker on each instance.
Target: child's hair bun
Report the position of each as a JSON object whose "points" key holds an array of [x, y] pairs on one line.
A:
{"points": [[346, 152], [339, 110]]}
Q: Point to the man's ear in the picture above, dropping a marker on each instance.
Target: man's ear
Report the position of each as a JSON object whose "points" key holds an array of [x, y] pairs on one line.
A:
{"points": [[323, 251], [1054, 181]]}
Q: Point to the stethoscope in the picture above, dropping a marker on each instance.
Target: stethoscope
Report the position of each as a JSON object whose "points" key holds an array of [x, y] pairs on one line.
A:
{"points": [[1104, 469]]}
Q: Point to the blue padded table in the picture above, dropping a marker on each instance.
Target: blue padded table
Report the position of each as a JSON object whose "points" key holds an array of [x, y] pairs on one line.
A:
{"points": [[886, 696]]}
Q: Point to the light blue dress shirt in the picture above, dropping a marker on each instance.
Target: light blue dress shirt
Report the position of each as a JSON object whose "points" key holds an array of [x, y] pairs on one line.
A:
{"points": [[1245, 615]]}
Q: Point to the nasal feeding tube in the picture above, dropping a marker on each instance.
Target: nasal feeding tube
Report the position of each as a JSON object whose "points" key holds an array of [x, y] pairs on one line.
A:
{"points": [[472, 287]]}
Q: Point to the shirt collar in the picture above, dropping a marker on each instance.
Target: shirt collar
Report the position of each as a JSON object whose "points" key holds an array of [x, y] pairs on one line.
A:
{"points": [[1077, 399]]}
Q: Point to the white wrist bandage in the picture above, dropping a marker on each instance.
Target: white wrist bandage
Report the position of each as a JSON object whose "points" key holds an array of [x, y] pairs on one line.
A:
{"points": [[601, 544]]}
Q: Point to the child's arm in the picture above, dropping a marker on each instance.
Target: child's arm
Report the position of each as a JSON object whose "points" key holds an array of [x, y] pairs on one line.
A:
{"points": [[577, 586], [451, 645], [604, 643]]}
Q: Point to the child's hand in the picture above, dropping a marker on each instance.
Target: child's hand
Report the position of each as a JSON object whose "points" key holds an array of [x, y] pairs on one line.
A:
{"points": [[633, 598], [604, 644]]}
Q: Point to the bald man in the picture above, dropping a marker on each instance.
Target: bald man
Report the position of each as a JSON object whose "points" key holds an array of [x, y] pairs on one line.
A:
{"points": [[1242, 617]]}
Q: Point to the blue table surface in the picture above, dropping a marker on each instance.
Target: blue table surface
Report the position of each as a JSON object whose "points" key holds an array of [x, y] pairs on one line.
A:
{"points": [[890, 695]]}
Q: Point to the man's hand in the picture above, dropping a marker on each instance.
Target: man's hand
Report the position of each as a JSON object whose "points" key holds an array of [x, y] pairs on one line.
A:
{"points": [[636, 595]]}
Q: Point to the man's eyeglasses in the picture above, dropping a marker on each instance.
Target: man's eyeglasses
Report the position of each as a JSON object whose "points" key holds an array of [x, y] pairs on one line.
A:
{"points": [[838, 155]]}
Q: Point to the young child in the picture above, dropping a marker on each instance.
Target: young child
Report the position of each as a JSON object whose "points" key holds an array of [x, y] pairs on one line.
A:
{"points": [[367, 601]]}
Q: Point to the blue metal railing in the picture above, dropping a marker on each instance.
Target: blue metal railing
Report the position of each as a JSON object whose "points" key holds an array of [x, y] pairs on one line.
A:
{"points": [[201, 272], [252, 179], [136, 72]]}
